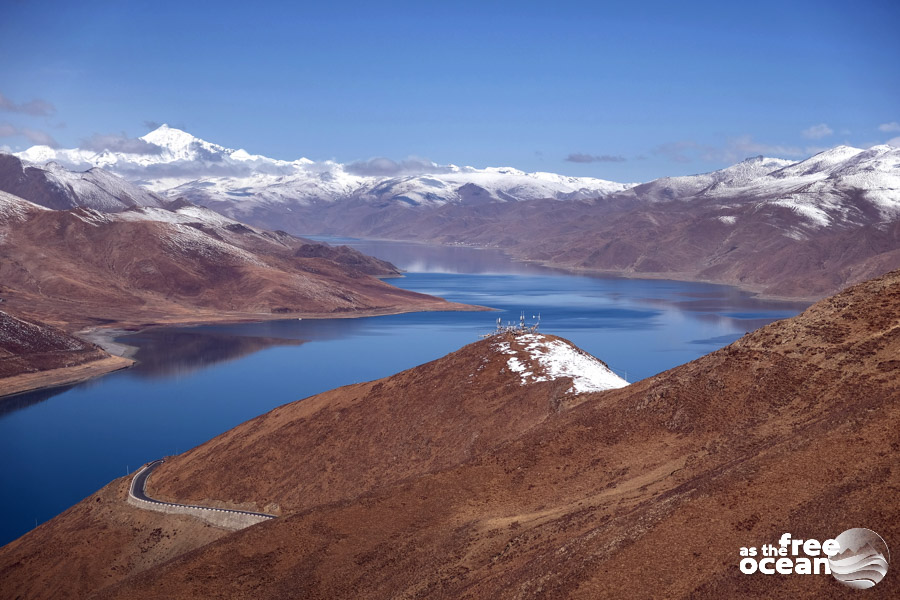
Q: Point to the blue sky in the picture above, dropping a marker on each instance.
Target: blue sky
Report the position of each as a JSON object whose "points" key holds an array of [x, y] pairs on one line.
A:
{"points": [[625, 91]]}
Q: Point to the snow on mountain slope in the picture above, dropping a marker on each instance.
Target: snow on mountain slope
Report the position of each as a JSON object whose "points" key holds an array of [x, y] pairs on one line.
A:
{"points": [[837, 186], [13, 208], [100, 189], [500, 185], [179, 164], [841, 185], [742, 174], [54, 186]]}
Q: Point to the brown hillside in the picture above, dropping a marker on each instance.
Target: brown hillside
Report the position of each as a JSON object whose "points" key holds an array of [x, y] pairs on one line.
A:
{"points": [[644, 492], [345, 442], [33, 354], [143, 265], [769, 249]]}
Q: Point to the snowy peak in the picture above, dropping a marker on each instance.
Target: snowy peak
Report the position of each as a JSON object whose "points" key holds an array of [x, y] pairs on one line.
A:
{"points": [[169, 137], [821, 164], [749, 170], [181, 145], [177, 163]]}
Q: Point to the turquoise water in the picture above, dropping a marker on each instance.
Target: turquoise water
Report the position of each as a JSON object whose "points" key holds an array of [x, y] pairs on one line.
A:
{"points": [[193, 383]]}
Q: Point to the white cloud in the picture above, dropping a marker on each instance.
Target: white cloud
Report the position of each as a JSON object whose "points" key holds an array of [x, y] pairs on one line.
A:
{"points": [[119, 143], [681, 151], [734, 150], [817, 132], [889, 127], [39, 137], [34, 135], [582, 157], [381, 166], [35, 108], [894, 142], [744, 146]]}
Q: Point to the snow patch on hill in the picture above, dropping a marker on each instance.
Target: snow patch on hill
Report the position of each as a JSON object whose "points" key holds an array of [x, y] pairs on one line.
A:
{"points": [[21, 337], [185, 240], [13, 208], [539, 358]]}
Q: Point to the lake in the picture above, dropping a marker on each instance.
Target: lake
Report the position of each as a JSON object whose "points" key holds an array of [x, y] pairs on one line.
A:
{"points": [[193, 383]]}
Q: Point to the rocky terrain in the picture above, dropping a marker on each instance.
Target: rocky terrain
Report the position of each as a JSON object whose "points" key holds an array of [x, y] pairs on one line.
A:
{"points": [[494, 473]]}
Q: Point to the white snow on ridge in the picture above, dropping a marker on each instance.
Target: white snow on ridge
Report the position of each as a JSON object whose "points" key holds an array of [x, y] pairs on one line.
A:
{"points": [[824, 190], [15, 208], [554, 359], [203, 171], [182, 216], [814, 215], [239, 183], [185, 240], [25, 336]]}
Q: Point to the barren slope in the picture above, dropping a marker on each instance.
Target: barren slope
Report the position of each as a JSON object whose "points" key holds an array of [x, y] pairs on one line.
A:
{"points": [[336, 446], [32, 352], [648, 491], [181, 263], [763, 247], [444, 482]]}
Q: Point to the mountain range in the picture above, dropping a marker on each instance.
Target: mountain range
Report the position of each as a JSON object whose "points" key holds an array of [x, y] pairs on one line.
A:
{"points": [[777, 227], [492, 473], [177, 164]]}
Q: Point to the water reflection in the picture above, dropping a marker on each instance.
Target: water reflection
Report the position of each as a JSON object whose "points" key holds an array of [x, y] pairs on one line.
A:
{"points": [[424, 258], [171, 352], [11, 404]]}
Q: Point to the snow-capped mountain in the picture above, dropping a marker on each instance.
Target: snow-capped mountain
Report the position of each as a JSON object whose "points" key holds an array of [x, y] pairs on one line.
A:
{"points": [[175, 163], [53, 186], [842, 185]]}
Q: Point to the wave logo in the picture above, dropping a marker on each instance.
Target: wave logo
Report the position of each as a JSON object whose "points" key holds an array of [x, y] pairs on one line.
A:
{"points": [[862, 560]]}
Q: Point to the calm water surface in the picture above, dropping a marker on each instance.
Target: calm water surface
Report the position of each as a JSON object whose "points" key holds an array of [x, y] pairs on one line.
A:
{"points": [[193, 383]]}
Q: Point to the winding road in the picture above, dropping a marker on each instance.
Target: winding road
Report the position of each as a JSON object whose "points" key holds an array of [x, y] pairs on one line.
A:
{"points": [[224, 516]]}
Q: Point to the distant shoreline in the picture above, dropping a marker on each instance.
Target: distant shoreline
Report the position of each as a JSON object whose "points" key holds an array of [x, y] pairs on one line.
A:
{"points": [[754, 290]]}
